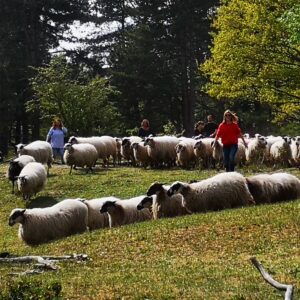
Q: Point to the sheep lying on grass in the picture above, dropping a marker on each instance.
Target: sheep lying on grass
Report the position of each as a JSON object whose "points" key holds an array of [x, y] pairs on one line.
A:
{"points": [[97, 220], [41, 151], [163, 206], [122, 212], [40, 225], [32, 179], [16, 166], [225, 190], [270, 188], [80, 155]]}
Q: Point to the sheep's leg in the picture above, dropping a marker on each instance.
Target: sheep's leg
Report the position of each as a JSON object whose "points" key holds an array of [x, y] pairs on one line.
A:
{"points": [[71, 169], [13, 187]]}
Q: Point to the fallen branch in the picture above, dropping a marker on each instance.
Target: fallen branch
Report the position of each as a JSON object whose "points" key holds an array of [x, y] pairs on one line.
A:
{"points": [[282, 287], [43, 263]]}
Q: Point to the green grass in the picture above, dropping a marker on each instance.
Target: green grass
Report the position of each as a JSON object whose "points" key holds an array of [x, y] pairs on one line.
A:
{"points": [[201, 256]]}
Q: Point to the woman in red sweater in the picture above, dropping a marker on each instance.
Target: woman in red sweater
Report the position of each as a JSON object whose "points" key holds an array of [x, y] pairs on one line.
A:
{"points": [[229, 132]]}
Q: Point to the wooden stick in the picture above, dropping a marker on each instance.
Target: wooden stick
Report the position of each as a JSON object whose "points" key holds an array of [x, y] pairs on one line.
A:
{"points": [[266, 276]]}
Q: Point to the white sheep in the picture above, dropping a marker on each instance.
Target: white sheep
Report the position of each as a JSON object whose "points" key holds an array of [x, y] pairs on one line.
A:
{"points": [[140, 154], [277, 187], [127, 150], [32, 179], [295, 151], [119, 145], [163, 206], [225, 190], [185, 153], [16, 166], [218, 156], [256, 150], [106, 146], [203, 149], [41, 151], [80, 155], [40, 225], [97, 220], [280, 152], [161, 150], [123, 212]]}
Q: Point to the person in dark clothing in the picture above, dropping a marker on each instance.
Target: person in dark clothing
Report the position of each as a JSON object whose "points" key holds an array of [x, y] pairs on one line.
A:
{"points": [[145, 129], [210, 127], [198, 128]]}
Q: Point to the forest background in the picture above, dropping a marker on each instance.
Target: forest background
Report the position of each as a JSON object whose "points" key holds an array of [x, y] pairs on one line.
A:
{"points": [[173, 62]]}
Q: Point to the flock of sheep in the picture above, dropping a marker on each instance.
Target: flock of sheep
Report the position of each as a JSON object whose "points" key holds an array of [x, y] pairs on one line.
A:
{"points": [[222, 191]]}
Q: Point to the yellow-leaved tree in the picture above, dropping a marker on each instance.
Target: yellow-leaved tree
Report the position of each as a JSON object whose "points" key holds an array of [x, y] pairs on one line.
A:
{"points": [[256, 54]]}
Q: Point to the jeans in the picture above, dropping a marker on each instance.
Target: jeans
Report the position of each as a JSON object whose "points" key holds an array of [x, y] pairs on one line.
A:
{"points": [[58, 152], [229, 156]]}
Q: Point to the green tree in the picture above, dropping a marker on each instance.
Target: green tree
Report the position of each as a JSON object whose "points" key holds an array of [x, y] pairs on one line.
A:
{"points": [[254, 56], [81, 102]]}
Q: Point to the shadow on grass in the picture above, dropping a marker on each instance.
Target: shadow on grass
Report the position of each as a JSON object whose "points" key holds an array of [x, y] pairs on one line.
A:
{"points": [[42, 201]]}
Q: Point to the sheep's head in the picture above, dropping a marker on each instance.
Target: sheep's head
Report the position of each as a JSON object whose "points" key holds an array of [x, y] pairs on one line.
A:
{"points": [[177, 188], [180, 148], [68, 147], [20, 148], [261, 140], [16, 216], [149, 141], [73, 140], [22, 180], [145, 203], [107, 206], [135, 146], [14, 170], [287, 139], [198, 145], [154, 188]]}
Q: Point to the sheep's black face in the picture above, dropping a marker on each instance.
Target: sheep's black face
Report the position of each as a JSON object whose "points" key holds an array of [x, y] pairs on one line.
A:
{"points": [[14, 170], [154, 188], [145, 202], [106, 206], [22, 181], [173, 189], [73, 140], [16, 216], [198, 145]]}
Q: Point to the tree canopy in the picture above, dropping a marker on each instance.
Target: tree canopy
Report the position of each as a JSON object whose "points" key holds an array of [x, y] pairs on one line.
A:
{"points": [[256, 55]]}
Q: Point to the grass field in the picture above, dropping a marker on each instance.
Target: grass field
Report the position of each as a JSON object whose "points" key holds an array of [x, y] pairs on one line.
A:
{"points": [[201, 256]]}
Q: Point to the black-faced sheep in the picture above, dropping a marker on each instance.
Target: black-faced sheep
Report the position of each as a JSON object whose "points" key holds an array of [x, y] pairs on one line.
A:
{"points": [[32, 179], [97, 220], [225, 190], [41, 151], [80, 155], [16, 166], [123, 212], [140, 154], [127, 150], [40, 225], [277, 187], [163, 206]]}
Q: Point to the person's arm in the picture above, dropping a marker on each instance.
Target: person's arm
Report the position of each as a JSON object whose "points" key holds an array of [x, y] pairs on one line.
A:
{"points": [[64, 129], [48, 138], [242, 137]]}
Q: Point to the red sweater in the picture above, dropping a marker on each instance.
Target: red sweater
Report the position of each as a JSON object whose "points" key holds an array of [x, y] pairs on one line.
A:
{"points": [[229, 133]]}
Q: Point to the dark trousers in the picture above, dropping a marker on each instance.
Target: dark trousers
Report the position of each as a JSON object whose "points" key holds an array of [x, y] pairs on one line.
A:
{"points": [[229, 155]]}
